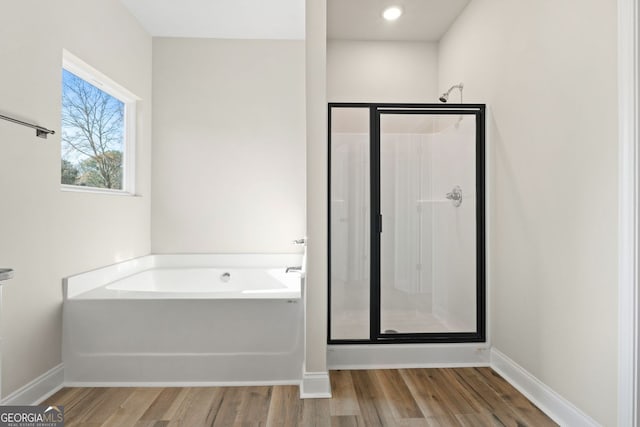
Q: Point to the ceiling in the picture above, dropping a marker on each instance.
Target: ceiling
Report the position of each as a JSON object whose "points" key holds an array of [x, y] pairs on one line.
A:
{"points": [[225, 19], [424, 20]]}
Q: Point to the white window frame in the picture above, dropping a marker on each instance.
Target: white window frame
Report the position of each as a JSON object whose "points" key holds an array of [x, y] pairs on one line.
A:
{"points": [[77, 66]]}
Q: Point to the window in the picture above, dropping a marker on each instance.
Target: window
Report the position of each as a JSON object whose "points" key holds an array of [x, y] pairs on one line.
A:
{"points": [[97, 131]]}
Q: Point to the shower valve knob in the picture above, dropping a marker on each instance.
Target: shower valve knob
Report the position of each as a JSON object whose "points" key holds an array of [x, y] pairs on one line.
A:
{"points": [[455, 196]]}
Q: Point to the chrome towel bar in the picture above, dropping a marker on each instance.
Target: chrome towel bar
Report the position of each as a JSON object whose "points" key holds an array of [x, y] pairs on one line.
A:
{"points": [[41, 132]]}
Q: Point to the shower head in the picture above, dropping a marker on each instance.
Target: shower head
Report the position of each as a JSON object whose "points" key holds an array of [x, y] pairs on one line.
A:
{"points": [[445, 96]]}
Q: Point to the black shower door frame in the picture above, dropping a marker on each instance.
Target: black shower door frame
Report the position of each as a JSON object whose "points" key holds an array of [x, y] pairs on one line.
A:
{"points": [[376, 110]]}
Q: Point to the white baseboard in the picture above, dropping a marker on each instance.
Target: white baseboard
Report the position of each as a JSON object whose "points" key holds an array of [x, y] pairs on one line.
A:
{"points": [[179, 383], [551, 403], [37, 390], [315, 385], [399, 356]]}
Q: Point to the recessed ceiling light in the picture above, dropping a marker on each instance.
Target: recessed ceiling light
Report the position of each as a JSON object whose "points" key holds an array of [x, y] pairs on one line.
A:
{"points": [[392, 13]]}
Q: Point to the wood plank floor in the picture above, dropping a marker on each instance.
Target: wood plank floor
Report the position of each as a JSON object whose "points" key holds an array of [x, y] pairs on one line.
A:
{"points": [[404, 397]]}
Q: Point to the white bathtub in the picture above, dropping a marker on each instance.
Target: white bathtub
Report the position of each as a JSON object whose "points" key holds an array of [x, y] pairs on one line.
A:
{"points": [[185, 320]]}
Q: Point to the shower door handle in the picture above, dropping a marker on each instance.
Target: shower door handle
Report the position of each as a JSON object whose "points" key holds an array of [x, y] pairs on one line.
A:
{"points": [[380, 223]]}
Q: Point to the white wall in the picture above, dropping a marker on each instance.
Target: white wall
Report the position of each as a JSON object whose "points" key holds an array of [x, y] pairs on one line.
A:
{"points": [[548, 70], [47, 234], [382, 71], [229, 145]]}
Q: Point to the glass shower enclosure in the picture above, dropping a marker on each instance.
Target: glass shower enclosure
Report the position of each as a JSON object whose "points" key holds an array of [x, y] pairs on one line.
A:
{"points": [[406, 223]]}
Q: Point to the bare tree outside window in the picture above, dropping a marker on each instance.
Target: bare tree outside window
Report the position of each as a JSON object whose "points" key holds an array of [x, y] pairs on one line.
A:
{"points": [[92, 135]]}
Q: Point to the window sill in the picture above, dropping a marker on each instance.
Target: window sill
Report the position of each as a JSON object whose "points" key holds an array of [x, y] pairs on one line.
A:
{"points": [[96, 190]]}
